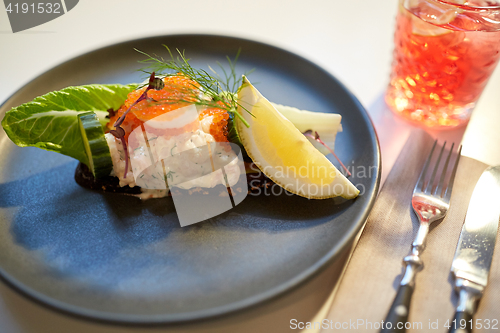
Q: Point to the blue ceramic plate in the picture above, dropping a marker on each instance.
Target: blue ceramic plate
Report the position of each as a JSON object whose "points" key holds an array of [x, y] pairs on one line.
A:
{"points": [[113, 257]]}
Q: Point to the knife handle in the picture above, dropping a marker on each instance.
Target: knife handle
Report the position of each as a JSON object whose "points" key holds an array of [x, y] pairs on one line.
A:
{"points": [[469, 294], [398, 313], [461, 323]]}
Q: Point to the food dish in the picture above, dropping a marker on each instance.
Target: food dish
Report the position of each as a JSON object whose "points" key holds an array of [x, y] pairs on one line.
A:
{"points": [[79, 245], [185, 128]]}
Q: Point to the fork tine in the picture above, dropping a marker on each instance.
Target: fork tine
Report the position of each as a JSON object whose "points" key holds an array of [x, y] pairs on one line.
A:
{"points": [[447, 195], [428, 188], [439, 187], [420, 182]]}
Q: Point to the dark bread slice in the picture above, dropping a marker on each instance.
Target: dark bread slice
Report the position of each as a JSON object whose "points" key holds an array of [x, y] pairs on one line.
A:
{"points": [[85, 178]]}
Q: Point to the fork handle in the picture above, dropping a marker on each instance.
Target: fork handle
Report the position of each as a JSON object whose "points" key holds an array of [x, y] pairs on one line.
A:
{"points": [[398, 313]]}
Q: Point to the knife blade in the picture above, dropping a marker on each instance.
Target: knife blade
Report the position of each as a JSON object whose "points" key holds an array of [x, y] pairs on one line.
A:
{"points": [[472, 261]]}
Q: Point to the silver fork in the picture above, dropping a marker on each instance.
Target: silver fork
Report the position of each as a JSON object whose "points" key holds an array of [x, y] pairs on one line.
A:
{"points": [[430, 203]]}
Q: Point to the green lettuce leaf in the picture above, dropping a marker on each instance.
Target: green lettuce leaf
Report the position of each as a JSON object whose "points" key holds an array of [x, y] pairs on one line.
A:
{"points": [[50, 121]]}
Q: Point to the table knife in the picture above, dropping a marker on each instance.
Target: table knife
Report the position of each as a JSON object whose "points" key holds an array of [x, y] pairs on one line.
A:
{"points": [[472, 261]]}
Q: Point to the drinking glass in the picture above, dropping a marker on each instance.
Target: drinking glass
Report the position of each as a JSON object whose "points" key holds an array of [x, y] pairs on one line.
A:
{"points": [[444, 54]]}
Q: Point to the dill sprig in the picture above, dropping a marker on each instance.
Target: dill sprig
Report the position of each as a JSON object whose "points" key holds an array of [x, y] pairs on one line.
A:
{"points": [[218, 92]]}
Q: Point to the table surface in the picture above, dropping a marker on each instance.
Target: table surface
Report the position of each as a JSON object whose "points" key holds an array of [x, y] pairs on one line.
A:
{"points": [[350, 39]]}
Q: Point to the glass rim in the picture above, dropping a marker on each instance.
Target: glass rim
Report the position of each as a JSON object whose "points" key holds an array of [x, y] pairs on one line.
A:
{"points": [[469, 7]]}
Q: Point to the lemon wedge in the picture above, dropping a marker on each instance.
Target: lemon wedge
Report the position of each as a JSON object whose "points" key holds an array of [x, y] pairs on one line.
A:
{"points": [[326, 124], [283, 153]]}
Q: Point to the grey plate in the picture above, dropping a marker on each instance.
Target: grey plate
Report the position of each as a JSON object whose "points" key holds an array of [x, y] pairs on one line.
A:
{"points": [[115, 258]]}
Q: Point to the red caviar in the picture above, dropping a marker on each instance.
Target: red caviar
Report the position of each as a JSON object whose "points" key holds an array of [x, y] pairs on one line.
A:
{"points": [[177, 88], [178, 92], [218, 127]]}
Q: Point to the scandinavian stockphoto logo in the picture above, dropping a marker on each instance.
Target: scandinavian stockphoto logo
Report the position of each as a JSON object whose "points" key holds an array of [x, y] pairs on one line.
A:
{"points": [[172, 152], [26, 14]]}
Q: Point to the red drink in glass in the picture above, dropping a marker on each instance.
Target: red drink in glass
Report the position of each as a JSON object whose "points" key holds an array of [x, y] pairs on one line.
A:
{"points": [[444, 55]]}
